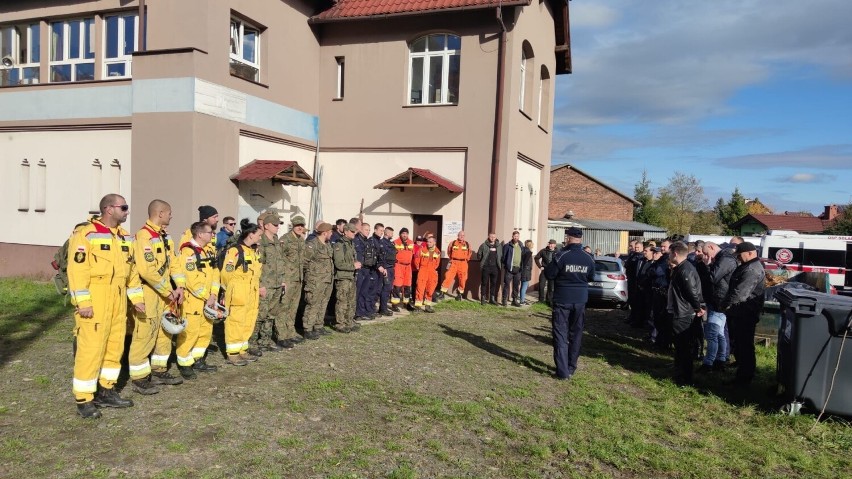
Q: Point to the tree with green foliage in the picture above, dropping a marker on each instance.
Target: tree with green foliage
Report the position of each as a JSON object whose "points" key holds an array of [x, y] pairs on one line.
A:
{"points": [[687, 198], [643, 193], [842, 225], [732, 211]]}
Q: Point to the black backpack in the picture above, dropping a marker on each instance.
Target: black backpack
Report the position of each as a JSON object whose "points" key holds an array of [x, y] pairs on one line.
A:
{"points": [[60, 264]]}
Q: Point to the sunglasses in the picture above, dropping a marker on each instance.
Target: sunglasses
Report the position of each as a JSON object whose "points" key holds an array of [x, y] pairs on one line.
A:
{"points": [[123, 207], [231, 224]]}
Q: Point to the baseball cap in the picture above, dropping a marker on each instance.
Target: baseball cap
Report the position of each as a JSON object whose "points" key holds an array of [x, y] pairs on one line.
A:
{"points": [[745, 246], [297, 220], [553, 241], [574, 232], [323, 227]]}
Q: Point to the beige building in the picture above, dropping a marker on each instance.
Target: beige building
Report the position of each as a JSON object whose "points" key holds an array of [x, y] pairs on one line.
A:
{"points": [[436, 118]]}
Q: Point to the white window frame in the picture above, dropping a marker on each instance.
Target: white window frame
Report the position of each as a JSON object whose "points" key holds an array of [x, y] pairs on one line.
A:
{"points": [[240, 36], [543, 84], [427, 55], [66, 47], [341, 72], [523, 78], [20, 64], [124, 57]]}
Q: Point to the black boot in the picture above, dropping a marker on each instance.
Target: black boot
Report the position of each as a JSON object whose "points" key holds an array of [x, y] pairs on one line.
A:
{"points": [[163, 377], [144, 386], [202, 366], [110, 398], [88, 410], [187, 372], [395, 308]]}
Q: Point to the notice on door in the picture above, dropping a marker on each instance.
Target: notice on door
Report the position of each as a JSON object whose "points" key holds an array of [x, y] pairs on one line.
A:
{"points": [[452, 228]]}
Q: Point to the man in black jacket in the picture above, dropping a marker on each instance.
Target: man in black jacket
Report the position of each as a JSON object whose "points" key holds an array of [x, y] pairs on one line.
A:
{"points": [[715, 271], [684, 303], [631, 267], [571, 270], [542, 259], [742, 305], [659, 271]]}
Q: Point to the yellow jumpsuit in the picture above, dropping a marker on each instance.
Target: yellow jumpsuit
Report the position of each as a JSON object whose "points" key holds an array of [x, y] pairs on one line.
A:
{"points": [[241, 280], [202, 280], [155, 260], [101, 275]]}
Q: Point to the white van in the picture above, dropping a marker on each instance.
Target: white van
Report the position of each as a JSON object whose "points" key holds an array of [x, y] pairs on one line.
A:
{"points": [[809, 253]]}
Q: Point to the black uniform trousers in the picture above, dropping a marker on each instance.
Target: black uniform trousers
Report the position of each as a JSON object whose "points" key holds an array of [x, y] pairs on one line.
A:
{"points": [[568, 321], [490, 284], [511, 278], [546, 289], [742, 325], [662, 321], [683, 353], [365, 287], [386, 285]]}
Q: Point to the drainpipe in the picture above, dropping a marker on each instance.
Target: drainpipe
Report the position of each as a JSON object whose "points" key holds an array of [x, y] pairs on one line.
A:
{"points": [[142, 26], [498, 124]]}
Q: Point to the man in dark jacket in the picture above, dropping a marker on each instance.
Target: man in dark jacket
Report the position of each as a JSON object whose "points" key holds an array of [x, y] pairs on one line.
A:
{"points": [[715, 272], [659, 271], [631, 268], [742, 306], [571, 270], [542, 259], [684, 302], [366, 278], [512, 254], [490, 256], [645, 292]]}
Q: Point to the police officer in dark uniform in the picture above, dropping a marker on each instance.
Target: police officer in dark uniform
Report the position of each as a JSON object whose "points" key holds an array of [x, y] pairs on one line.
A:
{"points": [[571, 270], [388, 262], [379, 269], [365, 280]]}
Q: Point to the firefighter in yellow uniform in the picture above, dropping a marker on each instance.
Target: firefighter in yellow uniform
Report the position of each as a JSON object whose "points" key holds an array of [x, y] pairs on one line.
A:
{"points": [[102, 276], [155, 261], [240, 276], [202, 288]]}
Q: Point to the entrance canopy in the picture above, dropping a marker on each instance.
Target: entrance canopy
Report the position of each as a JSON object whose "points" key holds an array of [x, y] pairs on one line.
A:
{"points": [[419, 178], [284, 172]]}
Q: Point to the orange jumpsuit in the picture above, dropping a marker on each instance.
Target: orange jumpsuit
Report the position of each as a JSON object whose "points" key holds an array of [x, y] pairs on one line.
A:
{"points": [[402, 271], [427, 263], [459, 253]]}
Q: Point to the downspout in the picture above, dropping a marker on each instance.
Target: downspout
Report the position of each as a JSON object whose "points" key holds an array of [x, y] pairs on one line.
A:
{"points": [[143, 25], [498, 124]]}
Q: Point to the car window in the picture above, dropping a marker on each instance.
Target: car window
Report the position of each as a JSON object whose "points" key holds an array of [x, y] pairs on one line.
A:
{"points": [[605, 266]]}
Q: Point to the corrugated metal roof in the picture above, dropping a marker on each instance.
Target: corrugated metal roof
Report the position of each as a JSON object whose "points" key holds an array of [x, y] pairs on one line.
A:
{"points": [[345, 9], [611, 225]]}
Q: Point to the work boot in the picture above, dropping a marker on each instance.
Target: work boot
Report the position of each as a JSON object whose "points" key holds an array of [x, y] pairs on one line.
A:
{"points": [[187, 372], [212, 348], [459, 296], [110, 398], [429, 309], [505, 303], [386, 313], [201, 366], [395, 308], [312, 335], [342, 329], [482, 301], [515, 304], [439, 295], [248, 356], [354, 327], [322, 331], [493, 301], [255, 351], [88, 410], [297, 339], [236, 360], [272, 347], [286, 344], [144, 386], [163, 377]]}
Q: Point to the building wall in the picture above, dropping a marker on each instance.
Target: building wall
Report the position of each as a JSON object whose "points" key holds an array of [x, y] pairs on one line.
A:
{"points": [[570, 190], [752, 228]]}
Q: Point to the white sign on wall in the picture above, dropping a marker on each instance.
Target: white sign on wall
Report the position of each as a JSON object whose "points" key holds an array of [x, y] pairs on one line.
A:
{"points": [[452, 228]]}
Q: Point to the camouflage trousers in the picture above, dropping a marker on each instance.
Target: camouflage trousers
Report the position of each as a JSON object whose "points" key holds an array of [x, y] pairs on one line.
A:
{"points": [[316, 300], [270, 317], [290, 304], [344, 311]]}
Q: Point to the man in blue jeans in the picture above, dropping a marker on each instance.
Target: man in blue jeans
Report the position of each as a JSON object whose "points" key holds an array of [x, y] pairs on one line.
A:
{"points": [[571, 271], [715, 270]]}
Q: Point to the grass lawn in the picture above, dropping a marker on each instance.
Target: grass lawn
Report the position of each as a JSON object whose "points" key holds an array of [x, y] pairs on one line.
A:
{"points": [[465, 392]]}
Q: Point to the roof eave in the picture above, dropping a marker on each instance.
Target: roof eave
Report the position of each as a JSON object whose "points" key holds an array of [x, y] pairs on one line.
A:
{"points": [[315, 20]]}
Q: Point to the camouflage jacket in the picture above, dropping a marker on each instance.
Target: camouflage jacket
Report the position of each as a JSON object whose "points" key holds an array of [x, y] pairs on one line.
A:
{"points": [[293, 248], [319, 265], [344, 259], [271, 253]]}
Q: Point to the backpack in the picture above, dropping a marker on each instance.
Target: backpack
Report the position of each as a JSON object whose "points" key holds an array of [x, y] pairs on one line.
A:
{"points": [[60, 264], [241, 256], [222, 250]]}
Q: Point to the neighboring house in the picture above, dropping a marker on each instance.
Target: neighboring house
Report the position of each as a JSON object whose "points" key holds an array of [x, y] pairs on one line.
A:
{"points": [[611, 236], [752, 225], [575, 193], [433, 115]]}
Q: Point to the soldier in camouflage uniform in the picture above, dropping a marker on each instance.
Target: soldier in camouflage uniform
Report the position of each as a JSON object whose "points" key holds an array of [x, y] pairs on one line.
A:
{"points": [[344, 280], [319, 272], [293, 249], [271, 310]]}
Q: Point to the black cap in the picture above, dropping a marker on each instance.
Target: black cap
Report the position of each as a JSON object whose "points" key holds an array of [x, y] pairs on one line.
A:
{"points": [[574, 232], [403, 230], [657, 249], [205, 212], [745, 246]]}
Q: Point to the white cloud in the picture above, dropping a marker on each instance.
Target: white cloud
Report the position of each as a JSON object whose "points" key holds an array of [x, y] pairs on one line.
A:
{"points": [[827, 157], [592, 15]]}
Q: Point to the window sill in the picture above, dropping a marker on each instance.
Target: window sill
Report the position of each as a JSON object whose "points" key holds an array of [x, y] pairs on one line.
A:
{"points": [[430, 105], [23, 209], [542, 129], [82, 82], [337, 99], [525, 114], [264, 85]]}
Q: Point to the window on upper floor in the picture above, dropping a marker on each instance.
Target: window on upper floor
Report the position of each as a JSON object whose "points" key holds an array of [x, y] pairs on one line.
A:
{"points": [[245, 50], [434, 69], [527, 76], [341, 77], [72, 50], [120, 41], [20, 53], [544, 98]]}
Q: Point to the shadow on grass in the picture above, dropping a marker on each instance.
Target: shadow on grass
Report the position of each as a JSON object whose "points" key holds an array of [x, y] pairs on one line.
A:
{"points": [[27, 310], [499, 351], [618, 344]]}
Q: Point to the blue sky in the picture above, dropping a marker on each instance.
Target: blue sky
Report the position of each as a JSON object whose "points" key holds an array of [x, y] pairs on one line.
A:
{"points": [[747, 93]]}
